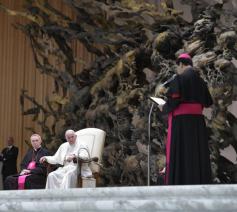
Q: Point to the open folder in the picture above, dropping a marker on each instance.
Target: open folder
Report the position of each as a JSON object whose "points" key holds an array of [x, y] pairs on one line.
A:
{"points": [[157, 100]]}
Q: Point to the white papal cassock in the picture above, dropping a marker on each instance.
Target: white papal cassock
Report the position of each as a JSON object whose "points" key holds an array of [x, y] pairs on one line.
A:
{"points": [[66, 176]]}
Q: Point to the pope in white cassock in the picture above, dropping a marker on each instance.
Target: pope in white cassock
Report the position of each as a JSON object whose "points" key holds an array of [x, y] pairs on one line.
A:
{"points": [[66, 176]]}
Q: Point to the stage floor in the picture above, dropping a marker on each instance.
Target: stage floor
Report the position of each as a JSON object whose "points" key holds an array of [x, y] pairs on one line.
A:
{"points": [[153, 198]]}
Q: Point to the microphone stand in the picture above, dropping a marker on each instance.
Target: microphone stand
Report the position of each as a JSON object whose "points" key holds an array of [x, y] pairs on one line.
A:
{"points": [[149, 144], [149, 132]]}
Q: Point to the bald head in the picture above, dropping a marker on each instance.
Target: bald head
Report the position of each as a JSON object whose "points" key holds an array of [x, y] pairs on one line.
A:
{"points": [[70, 136]]}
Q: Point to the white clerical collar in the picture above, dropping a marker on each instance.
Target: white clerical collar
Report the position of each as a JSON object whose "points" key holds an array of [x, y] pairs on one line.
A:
{"points": [[36, 149]]}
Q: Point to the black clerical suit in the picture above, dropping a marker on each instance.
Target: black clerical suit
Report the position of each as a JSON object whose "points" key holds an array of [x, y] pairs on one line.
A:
{"points": [[188, 159], [9, 159], [37, 177]]}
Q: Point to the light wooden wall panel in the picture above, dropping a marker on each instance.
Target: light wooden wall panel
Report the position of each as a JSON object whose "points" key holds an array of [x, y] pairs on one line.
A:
{"points": [[17, 71]]}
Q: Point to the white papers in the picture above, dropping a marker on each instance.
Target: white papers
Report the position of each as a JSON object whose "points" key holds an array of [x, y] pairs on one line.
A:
{"points": [[157, 100], [229, 153], [233, 108], [207, 112]]}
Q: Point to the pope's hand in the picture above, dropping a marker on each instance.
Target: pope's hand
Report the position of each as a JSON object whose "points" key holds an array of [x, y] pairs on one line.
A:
{"points": [[69, 158], [42, 159]]}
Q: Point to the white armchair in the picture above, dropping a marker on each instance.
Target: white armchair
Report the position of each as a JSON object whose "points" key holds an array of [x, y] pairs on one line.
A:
{"points": [[93, 139]]}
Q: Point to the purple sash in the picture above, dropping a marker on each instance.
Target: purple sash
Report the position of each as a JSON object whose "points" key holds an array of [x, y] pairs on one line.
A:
{"points": [[22, 178]]}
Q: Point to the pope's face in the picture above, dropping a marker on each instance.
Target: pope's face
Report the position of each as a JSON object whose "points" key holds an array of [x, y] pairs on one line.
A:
{"points": [[71, 138]]}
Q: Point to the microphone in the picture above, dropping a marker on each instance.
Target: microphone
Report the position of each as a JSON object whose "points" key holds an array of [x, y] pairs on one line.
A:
{"points": [[168, 81], [161, 89]]}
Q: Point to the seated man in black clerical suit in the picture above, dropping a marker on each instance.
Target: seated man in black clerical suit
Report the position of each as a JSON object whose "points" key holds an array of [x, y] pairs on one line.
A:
{"points": [[9, 158], [33, 173]]}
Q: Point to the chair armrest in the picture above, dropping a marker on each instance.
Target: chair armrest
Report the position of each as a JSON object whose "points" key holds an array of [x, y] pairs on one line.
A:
{"points": [[81, 160], [51, 167]]}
